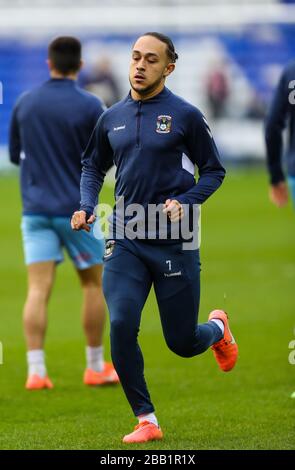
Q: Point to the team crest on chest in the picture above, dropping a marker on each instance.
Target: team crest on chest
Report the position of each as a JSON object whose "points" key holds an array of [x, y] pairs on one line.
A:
{"points": [[163, 124]]}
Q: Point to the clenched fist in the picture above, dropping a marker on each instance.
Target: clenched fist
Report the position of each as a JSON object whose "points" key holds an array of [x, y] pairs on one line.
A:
{"points": [[79, 222], [279, 194], [174, 210]]}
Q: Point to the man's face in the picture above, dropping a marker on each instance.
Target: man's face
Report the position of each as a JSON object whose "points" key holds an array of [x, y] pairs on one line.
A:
{"points": [[149, 64]]}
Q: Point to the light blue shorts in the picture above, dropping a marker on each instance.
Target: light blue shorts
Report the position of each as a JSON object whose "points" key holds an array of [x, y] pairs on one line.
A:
{"points": [[45, 237], [291, 183]]}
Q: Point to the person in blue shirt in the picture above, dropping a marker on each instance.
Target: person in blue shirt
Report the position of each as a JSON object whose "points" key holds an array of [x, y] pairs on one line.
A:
{"points": [[281, 115], [155, 139], [50, 128]]}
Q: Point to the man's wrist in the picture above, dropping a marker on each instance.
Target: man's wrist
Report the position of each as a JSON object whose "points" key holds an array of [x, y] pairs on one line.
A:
{"points": [[277, 179], [87, 211]]}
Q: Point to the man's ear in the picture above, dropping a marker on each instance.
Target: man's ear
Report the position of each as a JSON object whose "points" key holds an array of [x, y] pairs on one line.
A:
{"points": [[49, 64], [169, 69]]}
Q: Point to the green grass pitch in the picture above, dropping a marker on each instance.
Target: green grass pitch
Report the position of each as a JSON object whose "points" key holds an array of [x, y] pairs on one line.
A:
{"points": [[248, 268]]}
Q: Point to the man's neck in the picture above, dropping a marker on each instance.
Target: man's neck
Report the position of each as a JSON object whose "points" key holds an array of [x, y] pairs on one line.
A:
{"points": [[142, 96], [60, 76]]}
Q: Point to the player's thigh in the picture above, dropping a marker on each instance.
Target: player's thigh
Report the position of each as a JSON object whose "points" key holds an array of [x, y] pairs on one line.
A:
{"points": [[126, 281], [84, 248], [177, 288], [41, 277], [91, 277], [40, 241]]}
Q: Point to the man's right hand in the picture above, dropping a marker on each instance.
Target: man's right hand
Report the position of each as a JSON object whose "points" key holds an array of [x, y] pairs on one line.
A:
{"points": [[279, 194], [79, 222]]}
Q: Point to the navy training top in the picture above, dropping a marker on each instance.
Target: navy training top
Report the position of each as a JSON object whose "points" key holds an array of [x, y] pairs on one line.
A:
{"points": [[281, 114], [50, 128], [155, 145]]}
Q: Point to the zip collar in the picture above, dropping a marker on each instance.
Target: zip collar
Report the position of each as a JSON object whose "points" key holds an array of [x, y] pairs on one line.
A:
{"points": [[155, 99]]}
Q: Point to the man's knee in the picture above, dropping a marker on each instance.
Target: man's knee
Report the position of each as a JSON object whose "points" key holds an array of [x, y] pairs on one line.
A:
{"points": [[124, 320], [39, 291], [181, 346], [122, 330], [40, 280]]}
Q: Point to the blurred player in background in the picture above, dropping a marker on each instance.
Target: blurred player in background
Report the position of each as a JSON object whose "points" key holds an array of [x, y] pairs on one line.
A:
{"points": [[280, 115], [101, 81], [50, 128], [155, 139]]}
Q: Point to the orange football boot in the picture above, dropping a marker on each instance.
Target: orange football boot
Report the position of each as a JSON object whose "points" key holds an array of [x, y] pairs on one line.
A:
{"points": [[35, 382], [225, 350], [107, 376], [143, 432]]}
